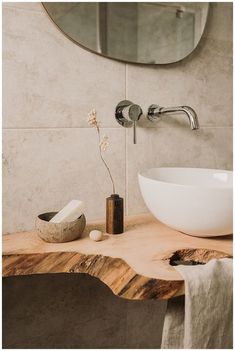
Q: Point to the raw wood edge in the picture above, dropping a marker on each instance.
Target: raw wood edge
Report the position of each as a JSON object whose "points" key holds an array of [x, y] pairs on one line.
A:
{"points": [[121, 279]]}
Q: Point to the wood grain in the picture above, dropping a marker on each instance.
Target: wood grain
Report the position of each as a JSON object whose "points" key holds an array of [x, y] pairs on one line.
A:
{"points": [[134, 265]]}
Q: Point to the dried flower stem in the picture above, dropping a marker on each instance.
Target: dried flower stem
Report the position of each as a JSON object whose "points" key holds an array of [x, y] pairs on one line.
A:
{"points": [[93, 122], [101, 156]]}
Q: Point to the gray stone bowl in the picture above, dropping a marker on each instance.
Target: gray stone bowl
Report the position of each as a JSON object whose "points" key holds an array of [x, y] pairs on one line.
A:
{"points": [[59, 232]]}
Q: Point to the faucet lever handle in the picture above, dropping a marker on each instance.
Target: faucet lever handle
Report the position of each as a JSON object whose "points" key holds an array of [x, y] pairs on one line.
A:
{"points": [[135, 112], [127, 114]]}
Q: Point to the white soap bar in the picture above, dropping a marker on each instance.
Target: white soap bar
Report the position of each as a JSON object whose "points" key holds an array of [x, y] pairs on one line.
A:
{"points": [[69, 213], [96, 235]]}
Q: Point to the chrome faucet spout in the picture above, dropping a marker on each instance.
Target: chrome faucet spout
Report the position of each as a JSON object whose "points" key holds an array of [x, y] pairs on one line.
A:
{"points": [[155, 112]]}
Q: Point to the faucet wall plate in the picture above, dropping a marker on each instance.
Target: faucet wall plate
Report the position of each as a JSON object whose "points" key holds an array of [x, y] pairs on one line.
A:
{"points": [[119, 115], [127, 114]]}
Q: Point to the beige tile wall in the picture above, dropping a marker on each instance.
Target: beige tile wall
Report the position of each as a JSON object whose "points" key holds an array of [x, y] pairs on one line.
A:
{"points": [[50, 84]]}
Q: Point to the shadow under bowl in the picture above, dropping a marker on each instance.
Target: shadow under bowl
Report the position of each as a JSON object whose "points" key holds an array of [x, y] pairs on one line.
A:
{"points": [[59, 232]]}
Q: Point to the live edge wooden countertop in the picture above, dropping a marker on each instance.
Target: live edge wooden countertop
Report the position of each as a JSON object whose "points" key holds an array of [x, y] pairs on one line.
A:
{"points": [[134, 265]]}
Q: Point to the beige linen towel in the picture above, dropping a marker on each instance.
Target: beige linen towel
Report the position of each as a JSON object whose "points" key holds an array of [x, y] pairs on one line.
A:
{"points": [[203, 318]]}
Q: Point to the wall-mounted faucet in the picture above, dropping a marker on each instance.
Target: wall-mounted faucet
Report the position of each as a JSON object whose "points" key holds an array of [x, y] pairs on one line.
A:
{"points": [[127, 114], [155, 112]]}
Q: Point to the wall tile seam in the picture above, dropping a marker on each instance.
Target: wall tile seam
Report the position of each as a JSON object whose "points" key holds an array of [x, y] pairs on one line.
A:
{"points": [[184, 127], [116, 128], [126, 206], [55, 128]]}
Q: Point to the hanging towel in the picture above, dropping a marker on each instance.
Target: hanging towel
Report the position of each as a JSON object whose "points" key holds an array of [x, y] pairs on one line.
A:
{"points": [[203, 318]]}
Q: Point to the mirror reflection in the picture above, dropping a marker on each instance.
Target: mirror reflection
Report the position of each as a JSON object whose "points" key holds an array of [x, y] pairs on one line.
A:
{"points": [[152, 33]]}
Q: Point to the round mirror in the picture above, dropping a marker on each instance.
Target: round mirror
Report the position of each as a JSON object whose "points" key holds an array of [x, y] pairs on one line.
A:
{"points": [[143, 32]]}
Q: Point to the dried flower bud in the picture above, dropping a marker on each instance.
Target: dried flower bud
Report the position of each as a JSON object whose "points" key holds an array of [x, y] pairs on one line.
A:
{"points": [[104, 143], [92, 120]]}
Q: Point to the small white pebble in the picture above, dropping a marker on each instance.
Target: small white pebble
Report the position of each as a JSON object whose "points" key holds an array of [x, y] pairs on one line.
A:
{"points": [[95, 235]]}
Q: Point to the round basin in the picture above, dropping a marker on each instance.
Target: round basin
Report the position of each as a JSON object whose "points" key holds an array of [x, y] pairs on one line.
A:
{"points": [[195, 201]]}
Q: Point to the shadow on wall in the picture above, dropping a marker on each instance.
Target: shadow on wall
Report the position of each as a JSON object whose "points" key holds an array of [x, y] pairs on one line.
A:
{"points": [[76, 311]]}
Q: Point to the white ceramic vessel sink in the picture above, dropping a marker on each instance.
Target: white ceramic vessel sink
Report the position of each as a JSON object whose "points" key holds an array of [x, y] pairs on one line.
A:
{"points": [[194, 201]]}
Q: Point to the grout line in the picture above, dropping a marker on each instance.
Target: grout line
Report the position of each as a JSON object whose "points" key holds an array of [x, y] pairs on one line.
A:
{"points": [[126, 88], [184, 127], [51, 128], [118, 128], [125, 82], [126, 148], [215, 127], [126, 173]]}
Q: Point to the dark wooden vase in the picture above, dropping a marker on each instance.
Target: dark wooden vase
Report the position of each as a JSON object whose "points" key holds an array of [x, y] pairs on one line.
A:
{"points": [[114, 214]]}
